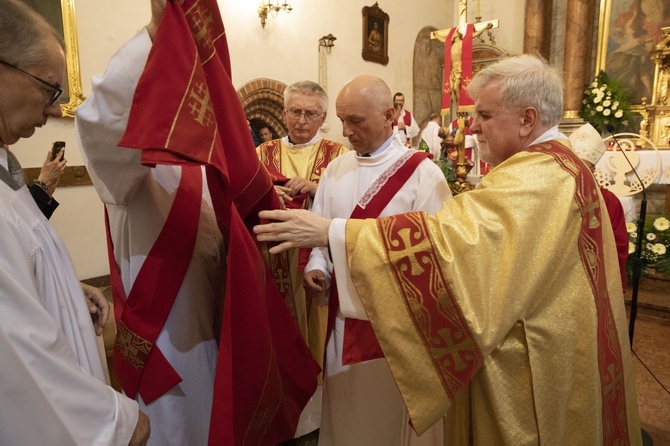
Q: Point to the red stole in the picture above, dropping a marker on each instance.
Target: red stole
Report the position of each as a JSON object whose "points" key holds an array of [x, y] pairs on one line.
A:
{"points": [[615, 429], [360, 343], [138, 363], [265, 373], [280, 264]]}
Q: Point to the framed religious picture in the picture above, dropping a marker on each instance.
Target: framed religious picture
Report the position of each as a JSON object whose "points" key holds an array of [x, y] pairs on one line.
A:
{"points": [[628, 30], [375, 35], [61, 16]]}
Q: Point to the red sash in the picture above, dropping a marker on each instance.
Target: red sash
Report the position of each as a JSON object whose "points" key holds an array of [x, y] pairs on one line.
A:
{"points": [[360, 342], [138, 363]]}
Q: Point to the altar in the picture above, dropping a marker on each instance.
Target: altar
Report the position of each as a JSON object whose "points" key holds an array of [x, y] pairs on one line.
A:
{"points": [[652, 166]]}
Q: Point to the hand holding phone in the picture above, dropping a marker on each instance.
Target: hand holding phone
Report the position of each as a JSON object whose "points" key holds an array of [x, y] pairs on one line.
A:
{"points": [[56, 149]]}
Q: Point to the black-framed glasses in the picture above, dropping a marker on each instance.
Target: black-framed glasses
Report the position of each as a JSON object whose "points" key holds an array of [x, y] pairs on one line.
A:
{"points": [[57, 90], [310, 115]]}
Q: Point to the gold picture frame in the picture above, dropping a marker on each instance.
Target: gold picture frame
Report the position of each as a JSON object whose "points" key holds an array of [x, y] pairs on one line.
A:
{"points": [[625, 28], [63, 20], [375, 35]]}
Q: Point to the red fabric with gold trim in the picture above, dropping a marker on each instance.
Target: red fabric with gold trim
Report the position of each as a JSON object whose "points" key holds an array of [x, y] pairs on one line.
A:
{"points": [[455, 354], [265, 373], [615, 426], [139, 364]]}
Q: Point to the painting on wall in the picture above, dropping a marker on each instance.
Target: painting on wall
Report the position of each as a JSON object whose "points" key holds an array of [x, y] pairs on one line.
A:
{"points": [[628, 31], [61, 16], [375, 35]]}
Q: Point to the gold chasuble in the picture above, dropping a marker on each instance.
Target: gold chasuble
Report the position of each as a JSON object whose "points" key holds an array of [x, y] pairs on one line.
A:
{"points": [[504, 311], [309, 162]]}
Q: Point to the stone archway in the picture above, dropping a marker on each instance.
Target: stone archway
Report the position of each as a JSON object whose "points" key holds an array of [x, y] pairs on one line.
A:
{"points": [[263, 103], [427, 77]]}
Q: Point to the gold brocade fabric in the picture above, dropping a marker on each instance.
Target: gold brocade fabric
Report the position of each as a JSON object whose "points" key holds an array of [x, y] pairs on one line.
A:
{"points": [[305, 162], [498, 312]]}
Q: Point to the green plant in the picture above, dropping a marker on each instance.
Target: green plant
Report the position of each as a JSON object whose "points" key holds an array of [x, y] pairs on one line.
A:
{"points": [[655, 245], [606, 101]]}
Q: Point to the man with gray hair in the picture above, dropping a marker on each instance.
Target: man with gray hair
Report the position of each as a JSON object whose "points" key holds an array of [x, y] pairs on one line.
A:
{"points": [[296, 163], [53, 379], [504, 311]]}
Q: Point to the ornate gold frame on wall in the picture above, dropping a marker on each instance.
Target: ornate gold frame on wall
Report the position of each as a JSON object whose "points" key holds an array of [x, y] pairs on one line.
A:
{"points": [[76, 95]]}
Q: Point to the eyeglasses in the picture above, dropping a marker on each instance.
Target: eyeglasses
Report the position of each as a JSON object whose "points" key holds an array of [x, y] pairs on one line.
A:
{"points": [[295, 113], [57, 90]]}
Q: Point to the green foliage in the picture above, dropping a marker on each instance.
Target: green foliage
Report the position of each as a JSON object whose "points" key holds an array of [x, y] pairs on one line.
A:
{"points": [[606, 101], [655, 245]]}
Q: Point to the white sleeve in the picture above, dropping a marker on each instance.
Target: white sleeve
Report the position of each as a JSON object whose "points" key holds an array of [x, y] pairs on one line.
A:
{"points": [[350, 303], [102, 119], [48, 397], [413, 129]]}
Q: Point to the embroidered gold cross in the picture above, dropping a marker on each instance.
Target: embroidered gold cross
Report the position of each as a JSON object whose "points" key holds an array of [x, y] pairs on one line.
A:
{"points": [[452, 348], [408, 250], [200, 106], [591, 211], [133, 347], [201, 20]]}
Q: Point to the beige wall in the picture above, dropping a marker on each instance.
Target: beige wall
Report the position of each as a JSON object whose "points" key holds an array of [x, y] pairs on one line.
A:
{"points": [[286, 50]]}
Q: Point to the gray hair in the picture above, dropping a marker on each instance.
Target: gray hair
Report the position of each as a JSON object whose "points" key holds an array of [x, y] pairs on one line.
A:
{"points": [[307, 88], [24, 34], [527, 81]]}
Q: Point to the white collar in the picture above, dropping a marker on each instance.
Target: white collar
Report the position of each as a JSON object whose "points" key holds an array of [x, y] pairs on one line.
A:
{"points": [[288, 143]]}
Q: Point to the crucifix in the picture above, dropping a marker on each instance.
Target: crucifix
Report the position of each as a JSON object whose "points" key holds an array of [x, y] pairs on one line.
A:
{"points": [[457, 75], [460, 75]]}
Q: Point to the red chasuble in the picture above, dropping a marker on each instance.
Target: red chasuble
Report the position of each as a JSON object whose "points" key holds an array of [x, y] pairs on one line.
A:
{"points": [[265, 374]]}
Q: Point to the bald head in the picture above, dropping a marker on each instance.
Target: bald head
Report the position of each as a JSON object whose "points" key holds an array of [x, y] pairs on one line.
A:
{"points": [[365, 108]]}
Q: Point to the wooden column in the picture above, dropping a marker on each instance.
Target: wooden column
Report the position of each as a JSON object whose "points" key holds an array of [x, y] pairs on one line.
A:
{"points": [[537, 34], [577, 70]]}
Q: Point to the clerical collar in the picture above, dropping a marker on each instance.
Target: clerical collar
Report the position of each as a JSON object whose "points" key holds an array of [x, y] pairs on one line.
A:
{"points": [[381, 148], [549, 135], [287, 141]]}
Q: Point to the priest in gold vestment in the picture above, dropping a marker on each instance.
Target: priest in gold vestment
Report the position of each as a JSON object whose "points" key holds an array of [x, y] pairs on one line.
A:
{"points": [[503, 312], [296, 163]]}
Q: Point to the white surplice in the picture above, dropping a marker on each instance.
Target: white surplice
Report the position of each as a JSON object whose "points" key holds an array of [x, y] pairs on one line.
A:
{"points": [[52, 378], [138, 200], [361, 403]]}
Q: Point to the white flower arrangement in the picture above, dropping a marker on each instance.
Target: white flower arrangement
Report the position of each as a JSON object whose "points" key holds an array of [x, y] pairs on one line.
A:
{"points": [[655, 245], [605, 102]]}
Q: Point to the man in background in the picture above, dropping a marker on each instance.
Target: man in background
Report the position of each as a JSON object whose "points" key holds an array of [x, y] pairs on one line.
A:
{"points": [[430, 141], [405, 122], [265, 134], [296, 163]]}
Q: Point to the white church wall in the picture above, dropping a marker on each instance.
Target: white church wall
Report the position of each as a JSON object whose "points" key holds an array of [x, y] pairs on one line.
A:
{"points": [[286, 50]]}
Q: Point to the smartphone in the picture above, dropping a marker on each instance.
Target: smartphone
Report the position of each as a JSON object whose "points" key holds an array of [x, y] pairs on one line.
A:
{"points": [[56, 148]]}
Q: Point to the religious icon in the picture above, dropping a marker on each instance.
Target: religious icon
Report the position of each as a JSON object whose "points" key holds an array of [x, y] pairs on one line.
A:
{"points": [[375, 35]]}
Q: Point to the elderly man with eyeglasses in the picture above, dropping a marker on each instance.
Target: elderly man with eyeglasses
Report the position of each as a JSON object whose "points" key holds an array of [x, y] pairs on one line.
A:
{"points": [[296, 163], [53, 378]]}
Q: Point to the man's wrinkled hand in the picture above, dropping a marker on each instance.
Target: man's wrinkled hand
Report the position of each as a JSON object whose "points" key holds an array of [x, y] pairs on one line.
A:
{"points": [[299, 186], [296, 228], [314, 282], [98, 306]]}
